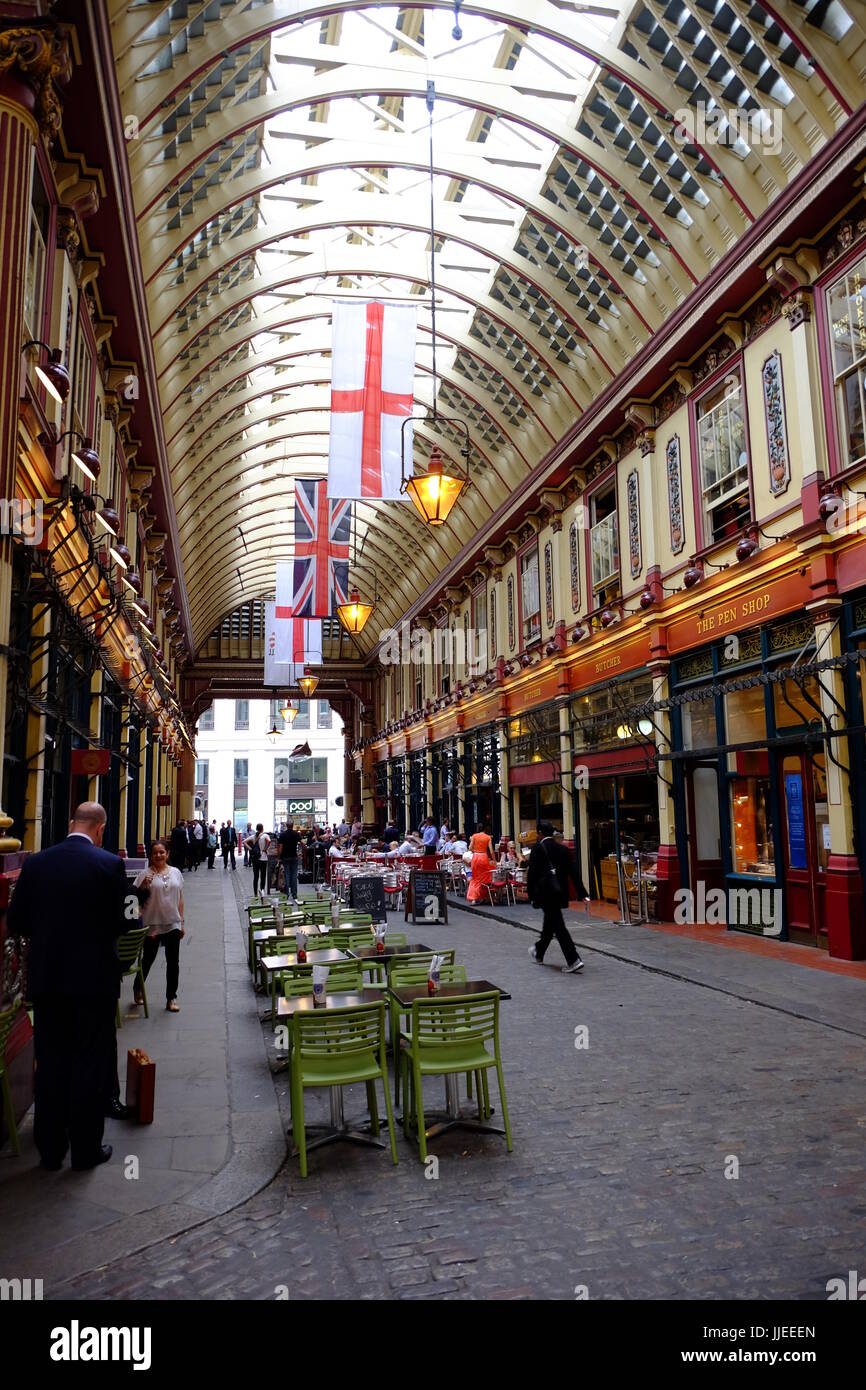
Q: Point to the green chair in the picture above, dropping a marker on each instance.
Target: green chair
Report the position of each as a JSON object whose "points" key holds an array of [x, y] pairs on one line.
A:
{"points": [[7, 1018], [344, 976], [448, 1035], [129, 949], [395, 938], [415, 975], [339, 1047]]}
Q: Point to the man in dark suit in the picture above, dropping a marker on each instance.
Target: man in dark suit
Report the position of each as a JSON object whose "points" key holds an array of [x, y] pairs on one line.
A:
{"points": [[69, 902], [551, 870], [179, 846], [228, 843]]}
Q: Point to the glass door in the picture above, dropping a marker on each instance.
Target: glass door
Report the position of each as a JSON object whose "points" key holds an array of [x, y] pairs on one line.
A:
{"points": [[704, 829], [806, 845]]}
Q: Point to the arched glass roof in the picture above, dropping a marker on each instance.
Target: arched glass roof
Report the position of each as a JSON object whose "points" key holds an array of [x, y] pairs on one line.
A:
{"points": [[592, 163]]}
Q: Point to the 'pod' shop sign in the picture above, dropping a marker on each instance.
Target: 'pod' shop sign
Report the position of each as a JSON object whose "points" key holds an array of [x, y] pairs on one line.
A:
{"points": [[301, 808]]}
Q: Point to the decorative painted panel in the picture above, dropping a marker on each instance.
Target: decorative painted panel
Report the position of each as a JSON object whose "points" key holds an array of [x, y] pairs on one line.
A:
{"points": [[510, 602], [548, 583], [675, 494], [491, 623], [574, 566], [632, 493], [774, 417]]}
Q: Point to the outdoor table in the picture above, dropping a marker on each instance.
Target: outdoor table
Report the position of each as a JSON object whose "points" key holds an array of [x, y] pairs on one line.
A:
{"points": [[453, 1117], [272, 965], [369, 953], [338, 1128]]}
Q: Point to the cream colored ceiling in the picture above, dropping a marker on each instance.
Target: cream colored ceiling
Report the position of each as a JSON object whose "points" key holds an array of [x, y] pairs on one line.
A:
{"points": [[281, 158]]}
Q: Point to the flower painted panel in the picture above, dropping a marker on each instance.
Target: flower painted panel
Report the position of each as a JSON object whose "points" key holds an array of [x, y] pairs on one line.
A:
{"points": [[510, 605], [774, 418], [675, 494], [574, 566], [632, 493], [548, 583]]}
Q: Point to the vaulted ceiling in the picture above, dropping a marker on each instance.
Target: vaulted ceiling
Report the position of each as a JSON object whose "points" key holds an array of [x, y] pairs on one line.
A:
{"points": [[279, 157]]}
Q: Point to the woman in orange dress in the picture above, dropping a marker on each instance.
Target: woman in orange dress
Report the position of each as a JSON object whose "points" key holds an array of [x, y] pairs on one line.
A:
{"points": [[483, 864]]}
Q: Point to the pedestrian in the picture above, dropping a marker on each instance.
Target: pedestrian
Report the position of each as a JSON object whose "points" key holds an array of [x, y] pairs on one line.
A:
{"points": [[289, 841], [390, 833], [256, 846], [483, 864], [179, 844], [248, 833], [197, 843], [161, 899], [228, 843], [551, 869], [70, 904], [430, 835], [212, 842]]}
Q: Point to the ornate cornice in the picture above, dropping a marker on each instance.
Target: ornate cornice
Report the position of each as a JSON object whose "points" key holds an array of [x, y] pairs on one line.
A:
{"points": [[38, 54]]}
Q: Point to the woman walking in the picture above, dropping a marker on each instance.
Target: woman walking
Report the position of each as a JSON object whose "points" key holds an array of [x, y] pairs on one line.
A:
{"points": [[257, 845], [161, 898], [483, 864]]}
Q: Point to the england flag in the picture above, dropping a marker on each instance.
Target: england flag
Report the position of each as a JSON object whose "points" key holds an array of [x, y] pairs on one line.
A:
{"points": [[372, 393], [290, 643]]}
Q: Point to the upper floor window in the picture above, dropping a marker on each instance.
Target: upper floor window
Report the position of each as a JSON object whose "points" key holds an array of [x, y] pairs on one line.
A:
{"points": [[242, 714], [847, 312], [723, 459], [302, 718], [603, 538], [242, 769], [444, 636], [274, 716], [37, 236], [206, 720], [201, 772], [324, 716], [530, 595]]}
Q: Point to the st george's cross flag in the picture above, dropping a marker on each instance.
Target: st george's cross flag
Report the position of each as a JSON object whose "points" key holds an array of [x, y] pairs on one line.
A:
{"points": [[372, 393], [290, 642], [321, 567]]}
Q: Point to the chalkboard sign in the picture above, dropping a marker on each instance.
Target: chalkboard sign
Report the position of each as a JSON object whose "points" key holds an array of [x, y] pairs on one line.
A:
{"points": [[426, 899], [368, 894]]}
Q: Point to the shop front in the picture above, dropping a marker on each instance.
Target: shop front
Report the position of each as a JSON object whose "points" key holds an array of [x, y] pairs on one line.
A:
{"points": [[445, 768], [481, 777], [750, 769], [535, 770]]}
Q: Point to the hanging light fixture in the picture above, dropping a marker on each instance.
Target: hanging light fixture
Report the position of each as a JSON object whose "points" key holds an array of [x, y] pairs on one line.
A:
{"points": [[53, 375], [435, 492], [353, 614], [288, 710], [308, 682], [274, 734]]}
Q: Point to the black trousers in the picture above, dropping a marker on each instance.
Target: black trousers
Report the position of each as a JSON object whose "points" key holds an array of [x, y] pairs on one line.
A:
{"points": [[260, 872], [211, 856], [228, 850], [171, 941], [554, 926], [74, 1041]]}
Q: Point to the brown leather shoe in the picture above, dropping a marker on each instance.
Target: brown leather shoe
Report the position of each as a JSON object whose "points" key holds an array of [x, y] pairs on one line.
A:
{"points": [[173, 1006]]}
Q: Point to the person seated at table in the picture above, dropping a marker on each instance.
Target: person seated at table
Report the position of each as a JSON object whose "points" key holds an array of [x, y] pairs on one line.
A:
{"points": [[337, 850], [412, 845], [458, 844], [443, 845], [390, 835]]}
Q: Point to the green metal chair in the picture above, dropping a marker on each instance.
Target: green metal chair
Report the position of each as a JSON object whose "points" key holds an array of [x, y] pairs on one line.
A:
{"points": [[448, 1035], [130, 947], [415, 975], [339, 1047], [7, 1018], [345, 975]]}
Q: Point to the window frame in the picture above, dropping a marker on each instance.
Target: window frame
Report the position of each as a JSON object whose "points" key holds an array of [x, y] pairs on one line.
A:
{"points": [[838, 463], [531, 638], [605, 483], [705, 543]]}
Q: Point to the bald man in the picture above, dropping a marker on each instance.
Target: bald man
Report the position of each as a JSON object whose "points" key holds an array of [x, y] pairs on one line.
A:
{"points": [[69, 902]]}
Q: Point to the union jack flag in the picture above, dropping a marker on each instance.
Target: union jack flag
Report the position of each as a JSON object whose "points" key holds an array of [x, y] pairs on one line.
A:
{"points": [[321, 577]]}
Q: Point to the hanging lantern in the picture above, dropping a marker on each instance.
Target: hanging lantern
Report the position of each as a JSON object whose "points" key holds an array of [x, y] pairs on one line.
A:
{"points": [[308, 682], [288, 709], [354, 614], [274, 734], [435, 492]]}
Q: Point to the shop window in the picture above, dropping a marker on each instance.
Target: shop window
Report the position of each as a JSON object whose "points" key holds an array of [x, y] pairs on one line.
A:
{"points": [[699, 725], [37, 237], [787, 694], [604, 538], [723, 460], [847, 313], [745, 715], [752, 826]]}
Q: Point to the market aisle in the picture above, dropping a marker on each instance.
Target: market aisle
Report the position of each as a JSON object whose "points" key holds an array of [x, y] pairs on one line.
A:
{"points": [[216, 1136]]}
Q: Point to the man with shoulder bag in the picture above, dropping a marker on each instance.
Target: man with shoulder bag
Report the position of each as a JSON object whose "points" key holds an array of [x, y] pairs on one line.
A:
{"points": [[551, 869]]}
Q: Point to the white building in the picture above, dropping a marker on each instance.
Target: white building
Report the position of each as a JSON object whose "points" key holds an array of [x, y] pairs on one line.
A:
{"points": [[243, 776]]}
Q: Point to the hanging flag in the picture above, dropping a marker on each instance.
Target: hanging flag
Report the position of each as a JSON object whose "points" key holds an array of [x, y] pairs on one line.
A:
{"points": [[321, 568], [372, 392], [290, 644]]}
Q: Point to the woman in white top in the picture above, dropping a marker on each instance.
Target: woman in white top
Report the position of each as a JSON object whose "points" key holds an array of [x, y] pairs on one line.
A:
{"points": [[258, 847], [161, 899]]}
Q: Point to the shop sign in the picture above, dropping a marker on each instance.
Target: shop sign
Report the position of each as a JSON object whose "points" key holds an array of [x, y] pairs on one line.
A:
{"points": [[547, 688], [610, 661], [746, 610], [796, 820], [300, 808], [89, 762]]}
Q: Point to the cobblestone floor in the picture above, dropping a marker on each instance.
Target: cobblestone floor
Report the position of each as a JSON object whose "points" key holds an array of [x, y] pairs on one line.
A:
{"points": [[621, 1179]]}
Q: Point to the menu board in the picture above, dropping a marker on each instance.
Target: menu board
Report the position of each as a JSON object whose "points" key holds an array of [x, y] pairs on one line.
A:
{"points": [[368, 895], [426, 900]]}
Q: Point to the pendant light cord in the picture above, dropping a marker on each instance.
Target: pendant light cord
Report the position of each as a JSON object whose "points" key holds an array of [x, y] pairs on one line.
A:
{"points": [[431, 97]]}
